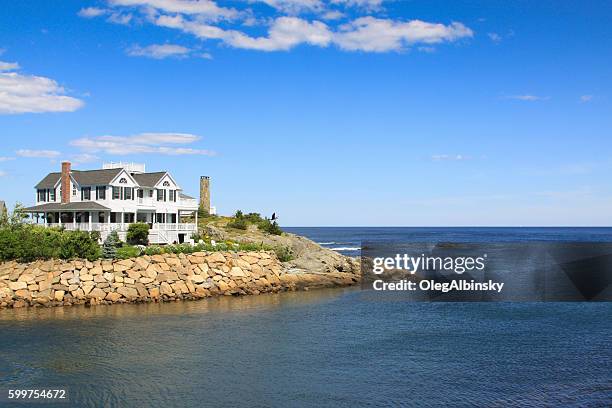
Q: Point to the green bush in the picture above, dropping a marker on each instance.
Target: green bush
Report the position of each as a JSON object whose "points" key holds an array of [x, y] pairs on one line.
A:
{"points": [[271, 227], [78, 244], [127, 251], [138, 233], [95, 235], [154, 250], [111, 243], [253, 217], [238, 223], [25, 243], [284, 254]]}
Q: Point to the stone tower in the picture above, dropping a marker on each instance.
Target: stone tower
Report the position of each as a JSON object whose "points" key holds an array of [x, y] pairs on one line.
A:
{"points": [[205, 193]]}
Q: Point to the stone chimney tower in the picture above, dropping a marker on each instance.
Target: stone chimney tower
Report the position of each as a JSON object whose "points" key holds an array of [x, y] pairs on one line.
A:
{"points": [[205, 193], [65, 183]]}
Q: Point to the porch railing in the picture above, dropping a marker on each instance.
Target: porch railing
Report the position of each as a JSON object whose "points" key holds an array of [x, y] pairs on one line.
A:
{"points": [[108, 227]]}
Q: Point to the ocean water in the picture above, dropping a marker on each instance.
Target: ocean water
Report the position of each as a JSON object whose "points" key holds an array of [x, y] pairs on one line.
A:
{"points": [[324, 348], [347, 240]]}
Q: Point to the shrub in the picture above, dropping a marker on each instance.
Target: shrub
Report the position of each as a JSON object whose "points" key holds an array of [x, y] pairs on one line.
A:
{"points": [[95, 235], [26, 243], [153, 250], [238, 223], [127, 251], [254, 218], [138, 233], [78, 244], [109, 248], [271, 227], [284, 254]]}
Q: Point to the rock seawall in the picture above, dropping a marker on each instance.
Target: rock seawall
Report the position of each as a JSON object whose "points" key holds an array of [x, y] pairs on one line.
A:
{"points": [[156, 278]]}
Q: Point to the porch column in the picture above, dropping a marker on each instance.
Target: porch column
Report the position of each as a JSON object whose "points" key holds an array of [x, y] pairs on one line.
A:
{"points": [[90, 217], [122, 219], [74, 220], [45, 219]]}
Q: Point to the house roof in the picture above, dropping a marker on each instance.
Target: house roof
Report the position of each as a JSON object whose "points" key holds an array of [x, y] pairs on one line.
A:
{"points": [[82, 177], [74, 206], [186, 196], [95, 177], [148, 179], [49, 181]]}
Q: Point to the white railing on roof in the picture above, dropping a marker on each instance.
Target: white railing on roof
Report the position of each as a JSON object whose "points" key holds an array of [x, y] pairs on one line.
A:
{"points": [[131, 167]]}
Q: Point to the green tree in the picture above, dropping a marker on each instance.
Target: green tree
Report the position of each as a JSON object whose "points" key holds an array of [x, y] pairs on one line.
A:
{"points": [[109, 248]]}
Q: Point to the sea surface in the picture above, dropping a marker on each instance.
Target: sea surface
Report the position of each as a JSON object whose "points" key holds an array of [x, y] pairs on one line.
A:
{"points": [[323, 348]]}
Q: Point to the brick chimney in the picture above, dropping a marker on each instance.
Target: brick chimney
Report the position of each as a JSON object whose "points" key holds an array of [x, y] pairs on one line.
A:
{"points": [[65, 182]]}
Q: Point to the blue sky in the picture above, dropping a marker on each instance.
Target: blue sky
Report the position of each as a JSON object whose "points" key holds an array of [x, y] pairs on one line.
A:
{"points": [[345, 112]]}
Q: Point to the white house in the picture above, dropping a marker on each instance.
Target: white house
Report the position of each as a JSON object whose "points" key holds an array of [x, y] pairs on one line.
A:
{"points": [[111, 198]]}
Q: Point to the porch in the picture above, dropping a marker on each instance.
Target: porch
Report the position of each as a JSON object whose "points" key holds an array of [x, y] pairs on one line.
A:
{"points": [[164, 228]]}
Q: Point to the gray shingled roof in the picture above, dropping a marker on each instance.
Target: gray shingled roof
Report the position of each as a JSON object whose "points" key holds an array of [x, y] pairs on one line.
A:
{"points": [[95, 177], [148, 179], [186, 196], [74, 206], [49, 181], [83, 177]]}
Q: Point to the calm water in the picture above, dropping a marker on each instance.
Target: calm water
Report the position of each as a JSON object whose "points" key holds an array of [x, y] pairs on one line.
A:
{"points": [[330, 348]]}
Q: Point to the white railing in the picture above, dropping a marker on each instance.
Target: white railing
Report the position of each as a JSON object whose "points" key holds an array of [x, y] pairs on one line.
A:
{"points": [[80, 226], [148, 201], [190, 202], [108, 227], [174, 227]]}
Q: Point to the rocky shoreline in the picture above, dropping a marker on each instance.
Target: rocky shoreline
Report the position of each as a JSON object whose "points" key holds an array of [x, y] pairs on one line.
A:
{"points": [[161, 278]]}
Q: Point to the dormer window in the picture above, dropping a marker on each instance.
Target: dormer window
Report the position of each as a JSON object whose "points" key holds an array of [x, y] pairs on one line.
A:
{"points": [[74, 191], [122, 180], [166, 183]]}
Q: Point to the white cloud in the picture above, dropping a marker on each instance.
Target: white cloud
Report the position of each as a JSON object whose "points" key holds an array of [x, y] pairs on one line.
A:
{"points": [[586, 98], [4, 158], [294, 6], [159, 51], [284, 34], [449, 157], [3, 173], [369, 34], [33, 94], [494, 37], [8, 66], [528, 97], [91, 12], [118, 18], [380, 35], [84, 158], [367, 4], [332, 15], [205, 8], [143, 143], [44, 154]]}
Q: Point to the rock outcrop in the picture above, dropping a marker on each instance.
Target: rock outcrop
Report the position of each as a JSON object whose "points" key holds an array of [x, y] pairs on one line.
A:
{"points": [[170, 277], [309, 257]]}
